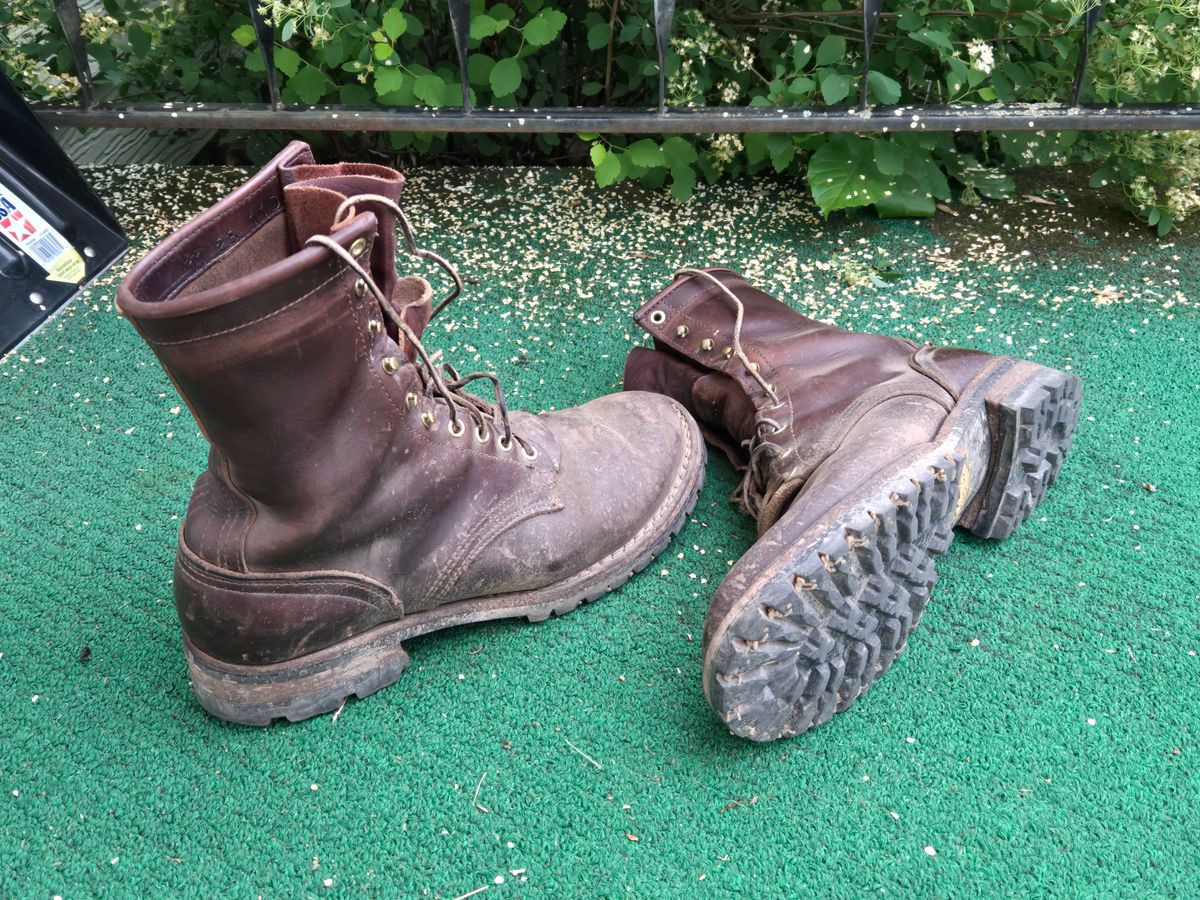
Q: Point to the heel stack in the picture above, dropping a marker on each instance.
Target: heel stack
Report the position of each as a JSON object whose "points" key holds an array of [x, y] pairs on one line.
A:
{"points": [[1032, 413], [298, 689]]}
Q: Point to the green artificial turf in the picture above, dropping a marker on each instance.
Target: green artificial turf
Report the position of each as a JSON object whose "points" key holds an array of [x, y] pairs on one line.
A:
{"points": [[1038, 736]]}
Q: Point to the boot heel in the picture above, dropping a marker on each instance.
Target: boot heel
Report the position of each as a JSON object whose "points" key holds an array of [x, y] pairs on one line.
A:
{"points": [[297, 689], [1032, 413]]}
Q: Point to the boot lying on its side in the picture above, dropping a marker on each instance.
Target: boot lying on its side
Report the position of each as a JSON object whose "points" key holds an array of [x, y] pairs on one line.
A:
{"points": [[356, 495], [861, 454]]}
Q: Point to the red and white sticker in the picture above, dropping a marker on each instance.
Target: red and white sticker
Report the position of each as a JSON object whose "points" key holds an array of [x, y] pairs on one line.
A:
{"points": [[38, 240]]}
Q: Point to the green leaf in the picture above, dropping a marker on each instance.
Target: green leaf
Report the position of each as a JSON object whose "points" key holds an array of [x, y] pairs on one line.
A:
{"points": [[935, 39], [335, 52], [608, 170], [479, 68], [429, 89], [383, 51], [801, 54], [889, 157], [289, 29], [139, 40], [598, 35], [309, 84], [683, 182], [905, 197], [505, 77], [910, 20], [244, 35], [287, 61], [782, 149], [678, 152], [354, 95], [834, 88], [484, 25], [832, 49], [756, 148], [646, 153], [388, 80], [394, 23], [886, 90], [801, 86], [842, 174], [597, 153], [544, 27]]}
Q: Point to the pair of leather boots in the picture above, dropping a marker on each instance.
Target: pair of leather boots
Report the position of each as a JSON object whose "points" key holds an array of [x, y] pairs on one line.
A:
{"points": [[357, 494]]}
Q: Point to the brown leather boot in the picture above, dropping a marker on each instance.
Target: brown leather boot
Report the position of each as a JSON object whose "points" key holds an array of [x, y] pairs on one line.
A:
{"points": [[861, 454], [356, 494]]}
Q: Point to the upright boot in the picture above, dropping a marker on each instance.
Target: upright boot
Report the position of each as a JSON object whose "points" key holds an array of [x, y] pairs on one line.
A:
{"points": [[861, 454], [356, 495]]}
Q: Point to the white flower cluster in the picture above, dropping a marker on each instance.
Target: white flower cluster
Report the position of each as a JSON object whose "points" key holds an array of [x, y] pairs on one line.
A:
{"points": [[723, 148], [982, 56]]}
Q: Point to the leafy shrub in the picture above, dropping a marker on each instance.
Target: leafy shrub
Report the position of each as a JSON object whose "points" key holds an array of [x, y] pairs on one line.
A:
{"points": [[801, 53]]}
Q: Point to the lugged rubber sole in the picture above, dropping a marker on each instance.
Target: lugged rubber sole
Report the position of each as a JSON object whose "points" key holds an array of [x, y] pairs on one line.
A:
{"points": [[829, 613], [321, 682]]}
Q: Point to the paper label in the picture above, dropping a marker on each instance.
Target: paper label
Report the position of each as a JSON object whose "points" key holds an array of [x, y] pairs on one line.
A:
{"points": [[35, 237]]}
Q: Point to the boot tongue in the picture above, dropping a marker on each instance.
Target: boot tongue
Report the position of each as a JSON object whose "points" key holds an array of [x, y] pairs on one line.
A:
{"points": [[310, 210], [308, 191]]}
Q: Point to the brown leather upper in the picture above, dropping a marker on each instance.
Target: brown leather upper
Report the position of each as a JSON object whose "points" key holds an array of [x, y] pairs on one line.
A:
{"points": [[831, 385], [322, 469]]}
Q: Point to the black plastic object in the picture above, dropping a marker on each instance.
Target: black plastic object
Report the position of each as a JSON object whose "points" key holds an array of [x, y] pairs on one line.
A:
{"points": [[51, 224]]}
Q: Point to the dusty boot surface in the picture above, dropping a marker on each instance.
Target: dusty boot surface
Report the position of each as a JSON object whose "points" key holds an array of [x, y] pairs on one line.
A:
{"points": [[356, 494], [861, 453]]}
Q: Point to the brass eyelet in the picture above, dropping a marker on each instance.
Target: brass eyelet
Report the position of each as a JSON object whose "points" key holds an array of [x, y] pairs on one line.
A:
{"points": [[374, 326], [360, 288], [504, 444], [456, 429], [482, 434], [391, 364], [529, 456], [658, 317], [358, 247], [681, 331], [428, 419], [707, 344], [727, 352], [411, 400]]}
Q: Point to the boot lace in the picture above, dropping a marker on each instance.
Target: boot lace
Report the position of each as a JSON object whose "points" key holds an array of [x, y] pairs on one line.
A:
{"points": [[760, 449], [443, 381]]}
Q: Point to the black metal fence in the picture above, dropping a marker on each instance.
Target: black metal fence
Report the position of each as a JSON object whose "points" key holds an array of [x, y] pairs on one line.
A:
{"points": [[575, 120]]}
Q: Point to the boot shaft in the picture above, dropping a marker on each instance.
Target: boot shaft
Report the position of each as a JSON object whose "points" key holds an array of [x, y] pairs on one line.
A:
{"points": [[266, 338], [801, 387]]}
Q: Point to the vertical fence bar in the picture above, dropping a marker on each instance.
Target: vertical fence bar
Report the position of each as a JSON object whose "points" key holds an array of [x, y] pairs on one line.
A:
{"points": [[1090, 18], [871, 11], [664, 21], [264, 31], [460, 24], [68, 17]]}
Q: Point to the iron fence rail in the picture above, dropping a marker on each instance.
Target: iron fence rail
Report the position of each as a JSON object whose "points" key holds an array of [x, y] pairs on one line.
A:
{"points": [[1070, 116]]}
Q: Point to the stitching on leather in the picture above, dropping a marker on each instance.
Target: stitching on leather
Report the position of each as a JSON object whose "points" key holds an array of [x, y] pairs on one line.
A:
{"points": [[263, 318], [808, 462], [931, 370], [188, 276], [469, 549], [360, 592]]}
